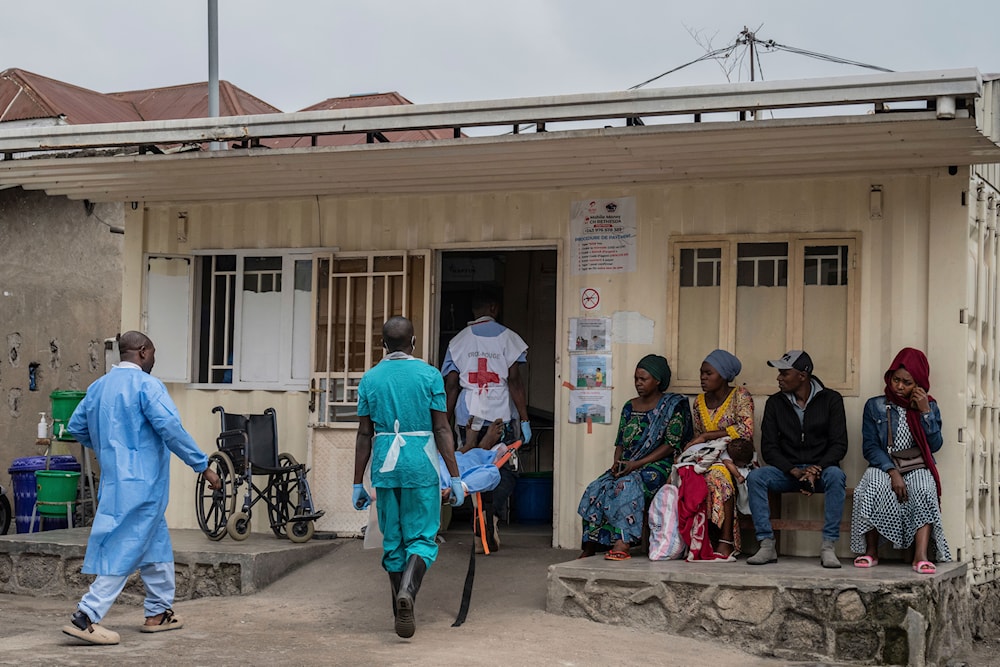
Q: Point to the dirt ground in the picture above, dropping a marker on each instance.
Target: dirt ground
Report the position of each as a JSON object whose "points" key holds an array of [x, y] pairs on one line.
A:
{"points": [[336, 611]]}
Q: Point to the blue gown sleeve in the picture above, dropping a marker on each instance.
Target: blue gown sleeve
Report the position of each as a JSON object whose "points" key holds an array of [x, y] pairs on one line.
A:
{"points": [[78, 425], [166, 421]]}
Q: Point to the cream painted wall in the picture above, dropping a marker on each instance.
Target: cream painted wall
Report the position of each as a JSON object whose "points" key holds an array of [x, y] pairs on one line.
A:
{"points": [[893, 252]]}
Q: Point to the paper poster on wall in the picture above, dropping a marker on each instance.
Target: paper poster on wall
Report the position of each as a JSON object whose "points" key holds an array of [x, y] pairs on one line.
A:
{"points": [[590, 404], [590, 371], [590, 334], [604, 235]]}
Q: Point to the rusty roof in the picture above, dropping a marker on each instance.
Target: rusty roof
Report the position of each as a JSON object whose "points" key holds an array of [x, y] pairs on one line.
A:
{"points": [[358, 102], [28, 96], [191, 101]]}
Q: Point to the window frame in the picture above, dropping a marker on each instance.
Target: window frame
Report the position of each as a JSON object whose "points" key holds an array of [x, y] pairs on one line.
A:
{"points": [[795, 313], [321, 380], [284, 381]]}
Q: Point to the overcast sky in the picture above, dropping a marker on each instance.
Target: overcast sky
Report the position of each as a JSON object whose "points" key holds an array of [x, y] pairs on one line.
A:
{"points": [[293, 53]]}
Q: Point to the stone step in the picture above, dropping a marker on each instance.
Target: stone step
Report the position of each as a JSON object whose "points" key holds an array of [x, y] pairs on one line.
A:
{"points": [[47, 564], [793, 609]]}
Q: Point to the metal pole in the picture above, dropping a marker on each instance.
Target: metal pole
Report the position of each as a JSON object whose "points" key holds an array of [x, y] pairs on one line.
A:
{"points": [[213, 64]]}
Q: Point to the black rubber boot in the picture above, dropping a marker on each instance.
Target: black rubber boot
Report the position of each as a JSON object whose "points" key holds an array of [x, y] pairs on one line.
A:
{"points": [[394, 579], [406, 623]]}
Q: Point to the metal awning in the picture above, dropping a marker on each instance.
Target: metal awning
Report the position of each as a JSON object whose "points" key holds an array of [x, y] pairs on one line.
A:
{"points": [[680, 151]]}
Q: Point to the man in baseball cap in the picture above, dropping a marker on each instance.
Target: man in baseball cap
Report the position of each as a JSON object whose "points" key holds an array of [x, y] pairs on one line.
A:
{"points": [[797, 359], [803, 439]]}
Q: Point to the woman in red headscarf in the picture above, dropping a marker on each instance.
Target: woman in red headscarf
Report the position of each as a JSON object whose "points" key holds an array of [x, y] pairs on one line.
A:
{"points": [[903, 507]]}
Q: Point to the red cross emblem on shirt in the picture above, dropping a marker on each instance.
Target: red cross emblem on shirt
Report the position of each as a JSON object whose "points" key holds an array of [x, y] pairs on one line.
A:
{"points": [[482, 377]]}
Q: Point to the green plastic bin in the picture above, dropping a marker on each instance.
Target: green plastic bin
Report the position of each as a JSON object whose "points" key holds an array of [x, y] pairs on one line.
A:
{"points": [[63, 404], [56, 486]]}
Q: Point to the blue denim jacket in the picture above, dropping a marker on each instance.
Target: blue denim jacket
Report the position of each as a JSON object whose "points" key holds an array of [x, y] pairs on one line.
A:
{"points": [[874, 434]]}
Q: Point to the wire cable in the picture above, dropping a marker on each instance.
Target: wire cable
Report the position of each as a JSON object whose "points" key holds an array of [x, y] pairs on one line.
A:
{"points": [[821, 56], [711, 54]]}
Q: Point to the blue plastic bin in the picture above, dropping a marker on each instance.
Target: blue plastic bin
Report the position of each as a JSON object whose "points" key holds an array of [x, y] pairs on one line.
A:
{"points": [[22, 478], [533, 498]]}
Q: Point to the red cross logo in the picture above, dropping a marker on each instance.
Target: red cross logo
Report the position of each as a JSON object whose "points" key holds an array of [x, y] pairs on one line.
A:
{"points": [[482, 377]]}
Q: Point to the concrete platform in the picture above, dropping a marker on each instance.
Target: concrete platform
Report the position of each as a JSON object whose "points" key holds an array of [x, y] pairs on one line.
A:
{"points": [[47, 564], [793, 609]]}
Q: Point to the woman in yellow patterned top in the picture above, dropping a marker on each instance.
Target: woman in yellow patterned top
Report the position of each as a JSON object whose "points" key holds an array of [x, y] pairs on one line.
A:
{"points": [[722, 410]]}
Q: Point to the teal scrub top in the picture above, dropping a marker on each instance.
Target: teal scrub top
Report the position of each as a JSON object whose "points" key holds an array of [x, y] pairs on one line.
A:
{"points": [[406, 390]]}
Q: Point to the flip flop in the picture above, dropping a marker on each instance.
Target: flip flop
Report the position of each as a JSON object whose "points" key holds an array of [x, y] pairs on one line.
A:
{"points": [[169, 621], [617, 555], [865, 562], [924, 567]]}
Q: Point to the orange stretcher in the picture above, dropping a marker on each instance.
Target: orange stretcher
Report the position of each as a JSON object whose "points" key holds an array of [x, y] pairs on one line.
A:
{"points": [[480, 520]]}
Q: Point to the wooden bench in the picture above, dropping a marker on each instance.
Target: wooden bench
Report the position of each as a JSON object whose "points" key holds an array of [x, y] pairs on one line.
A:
{"points": [[778, 523]]}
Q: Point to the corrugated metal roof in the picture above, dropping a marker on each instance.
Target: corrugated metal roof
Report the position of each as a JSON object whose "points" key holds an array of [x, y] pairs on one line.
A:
{"points": [[366, 101], [191, 101], [25, 95]]}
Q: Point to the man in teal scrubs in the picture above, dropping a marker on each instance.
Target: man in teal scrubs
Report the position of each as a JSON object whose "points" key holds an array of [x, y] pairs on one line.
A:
{"points": [[129, 420], [402, 426]]}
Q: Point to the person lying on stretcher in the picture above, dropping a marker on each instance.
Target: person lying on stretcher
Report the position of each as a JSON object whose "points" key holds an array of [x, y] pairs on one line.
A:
{"points": [[477, 465]]}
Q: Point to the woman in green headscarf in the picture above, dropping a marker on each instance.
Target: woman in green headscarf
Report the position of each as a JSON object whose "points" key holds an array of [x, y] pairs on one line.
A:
{"points": [[653, 427]]}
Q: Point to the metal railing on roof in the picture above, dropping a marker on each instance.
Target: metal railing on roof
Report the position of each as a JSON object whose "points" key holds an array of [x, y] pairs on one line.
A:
{"points": [[944, 90]]}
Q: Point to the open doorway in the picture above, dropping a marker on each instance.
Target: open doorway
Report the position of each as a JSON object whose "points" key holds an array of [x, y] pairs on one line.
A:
{"points": [[526, 283]]}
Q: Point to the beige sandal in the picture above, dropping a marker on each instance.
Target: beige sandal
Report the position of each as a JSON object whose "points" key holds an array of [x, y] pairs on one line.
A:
{"points": [[168, 621], [93, 633]]}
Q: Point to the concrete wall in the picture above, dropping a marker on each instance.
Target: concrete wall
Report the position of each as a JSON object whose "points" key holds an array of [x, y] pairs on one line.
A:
{"points": [[60, 297]]}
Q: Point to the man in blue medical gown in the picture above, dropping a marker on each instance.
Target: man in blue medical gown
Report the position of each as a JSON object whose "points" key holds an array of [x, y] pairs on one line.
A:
{"points": [[132, 425], [402, 427]]}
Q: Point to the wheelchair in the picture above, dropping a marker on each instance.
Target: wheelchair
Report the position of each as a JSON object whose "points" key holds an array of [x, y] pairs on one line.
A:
{"points": [[248, 446]]}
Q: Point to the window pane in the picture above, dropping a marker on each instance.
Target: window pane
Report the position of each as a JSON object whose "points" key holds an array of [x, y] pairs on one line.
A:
{"points": [[762, 265], [392, 263], [825, 265], [301, 300], [322, 320], [698, 310], [825, 311], [415, 300], [351, 265], [358, 326], [761, 307]]}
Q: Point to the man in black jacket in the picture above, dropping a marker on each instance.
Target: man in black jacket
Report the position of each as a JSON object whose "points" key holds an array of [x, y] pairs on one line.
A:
{"points": [[803, 439]]}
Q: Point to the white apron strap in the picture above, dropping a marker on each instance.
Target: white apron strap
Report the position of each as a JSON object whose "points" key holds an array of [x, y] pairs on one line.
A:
{"points": [[399, 441]]}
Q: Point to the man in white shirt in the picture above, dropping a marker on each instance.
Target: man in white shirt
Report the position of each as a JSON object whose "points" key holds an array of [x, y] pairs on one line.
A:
{"points": [[482, 381]]}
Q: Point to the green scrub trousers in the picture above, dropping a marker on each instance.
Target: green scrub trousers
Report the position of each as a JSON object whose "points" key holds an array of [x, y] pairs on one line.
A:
{"points": [[409, 519]]}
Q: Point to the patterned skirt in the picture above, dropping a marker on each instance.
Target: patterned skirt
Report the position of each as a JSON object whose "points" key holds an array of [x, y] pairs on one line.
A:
{"points": [[720, 490], [615, 509], [876, 507]]}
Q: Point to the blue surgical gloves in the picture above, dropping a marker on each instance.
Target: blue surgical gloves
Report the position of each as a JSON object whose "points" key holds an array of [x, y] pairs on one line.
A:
{"points": [[360, 498], [525, 432], [457, 492]]}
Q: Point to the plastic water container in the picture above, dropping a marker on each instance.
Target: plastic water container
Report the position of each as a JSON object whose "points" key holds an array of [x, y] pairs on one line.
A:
{"points": [[533, 498], [63, 404], [25, 487]]}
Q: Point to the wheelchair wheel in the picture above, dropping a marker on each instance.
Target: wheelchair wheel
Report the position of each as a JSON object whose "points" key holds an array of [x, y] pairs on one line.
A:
{"points": [[282, 497], [238, 526], [301, 531], [214, 507]]}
